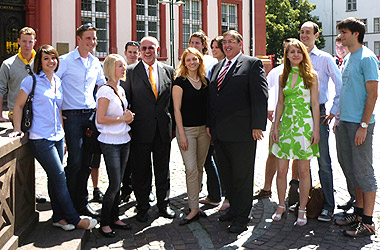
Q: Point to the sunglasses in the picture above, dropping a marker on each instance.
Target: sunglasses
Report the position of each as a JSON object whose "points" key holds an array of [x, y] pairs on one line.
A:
{"points": [[143, 48], [85, 27], [133, 44], [28, 69]]}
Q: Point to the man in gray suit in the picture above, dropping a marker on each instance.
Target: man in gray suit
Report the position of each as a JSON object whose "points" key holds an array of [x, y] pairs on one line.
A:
{"points": [[148, 88]]}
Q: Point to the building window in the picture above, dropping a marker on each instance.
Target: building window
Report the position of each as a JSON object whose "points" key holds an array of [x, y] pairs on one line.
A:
{"points": [[147, 19], [364, 20], [229, 17], [192, 19], [376, 47], [351, 5], [96, 12], [376, 25], [365, 44]]}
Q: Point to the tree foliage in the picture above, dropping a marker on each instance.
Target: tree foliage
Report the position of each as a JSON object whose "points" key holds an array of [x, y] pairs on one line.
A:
{"points": [[284, 19]]}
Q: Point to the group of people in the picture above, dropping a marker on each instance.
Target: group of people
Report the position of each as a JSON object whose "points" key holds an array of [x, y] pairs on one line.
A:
{"points": [[216, 107]]}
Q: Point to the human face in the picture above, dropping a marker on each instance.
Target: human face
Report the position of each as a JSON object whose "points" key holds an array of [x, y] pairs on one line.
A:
{"points": [[307, 35], [341, 50], [119, 69], [348, 38], [216, 51], [231, 46], [87, 43], [295, 56], [48, 63], [132, 54], [191, 62], [196, 42], [148, 51], [26, 43]]}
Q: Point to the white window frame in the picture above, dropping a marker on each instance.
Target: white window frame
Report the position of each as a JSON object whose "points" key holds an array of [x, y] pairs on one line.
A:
{"points": [[146, 18], [93, 15], [376, 48], [376, 25], [194, 24], [351, 5], [227, 22]]}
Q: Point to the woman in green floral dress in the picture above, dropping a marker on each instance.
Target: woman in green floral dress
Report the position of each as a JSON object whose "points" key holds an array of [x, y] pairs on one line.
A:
{"points": [[296, 128]]}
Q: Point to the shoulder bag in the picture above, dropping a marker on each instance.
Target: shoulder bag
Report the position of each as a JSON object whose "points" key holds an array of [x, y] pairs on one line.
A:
{"points": [[27, 112]]}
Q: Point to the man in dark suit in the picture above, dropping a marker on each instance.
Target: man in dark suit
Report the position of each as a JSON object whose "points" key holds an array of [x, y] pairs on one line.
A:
{"points": [[237, 119], [148, 88]]}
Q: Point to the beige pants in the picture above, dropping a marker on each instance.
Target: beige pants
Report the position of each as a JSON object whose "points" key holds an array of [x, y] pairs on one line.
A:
{"points": [[194, 158]]}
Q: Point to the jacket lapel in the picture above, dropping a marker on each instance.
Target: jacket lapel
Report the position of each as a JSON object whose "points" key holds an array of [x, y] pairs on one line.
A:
{"points": [[162, 78], [234, 68], [143, 75]]}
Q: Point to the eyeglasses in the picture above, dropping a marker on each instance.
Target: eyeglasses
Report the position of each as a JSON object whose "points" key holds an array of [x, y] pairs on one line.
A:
{"points": [[143, 48], [133, 43], [85, 27], [28, 69], [229, 41]]}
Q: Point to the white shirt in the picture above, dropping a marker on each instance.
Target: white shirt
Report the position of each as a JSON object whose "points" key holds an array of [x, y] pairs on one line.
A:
{"points": [[273, 79], [209, 62], [155, 73], [116, 133], [233, 60]]}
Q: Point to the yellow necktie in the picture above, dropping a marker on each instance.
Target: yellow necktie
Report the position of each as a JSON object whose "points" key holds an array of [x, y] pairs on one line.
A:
{"points": [[153, 82]]}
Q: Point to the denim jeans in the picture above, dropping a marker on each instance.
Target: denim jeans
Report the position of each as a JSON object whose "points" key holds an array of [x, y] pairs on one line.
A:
{"points": [[214, 187], [50, 155], [324, 162], [116, 158], [78, 168]]}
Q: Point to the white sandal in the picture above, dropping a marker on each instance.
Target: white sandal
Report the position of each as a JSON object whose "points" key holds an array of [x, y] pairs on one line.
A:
{"points": [[277, 217], [301, 222]]}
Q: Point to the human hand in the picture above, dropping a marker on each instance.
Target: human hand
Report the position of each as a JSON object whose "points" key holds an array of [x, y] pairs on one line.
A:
{"points": [[128, 116], [257, 134], [360, 136], [183, 143], [315, 137], [16, 133], [327, 118], [270, 115]]}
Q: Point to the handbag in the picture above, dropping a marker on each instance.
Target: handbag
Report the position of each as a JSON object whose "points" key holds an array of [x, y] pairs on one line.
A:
{"points": [[91, 143], [315, 204], [27, 112]]}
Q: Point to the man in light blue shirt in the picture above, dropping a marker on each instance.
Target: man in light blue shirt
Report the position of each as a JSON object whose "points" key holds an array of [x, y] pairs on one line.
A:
{"points": [[80, 73], [326, 68], [357, 121]]}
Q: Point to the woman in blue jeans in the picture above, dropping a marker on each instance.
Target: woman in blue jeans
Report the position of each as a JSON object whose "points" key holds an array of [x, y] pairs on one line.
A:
{"points": [[46, 135], [112, 122]]}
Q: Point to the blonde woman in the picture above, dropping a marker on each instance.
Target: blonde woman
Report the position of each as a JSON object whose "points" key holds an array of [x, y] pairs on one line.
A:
{"points": [[297, 135], [190, 101], [112, 120]]}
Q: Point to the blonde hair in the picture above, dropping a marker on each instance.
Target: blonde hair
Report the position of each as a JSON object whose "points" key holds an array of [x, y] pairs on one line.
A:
{"points": [[109, 66], [306, 68], [182, 70]]}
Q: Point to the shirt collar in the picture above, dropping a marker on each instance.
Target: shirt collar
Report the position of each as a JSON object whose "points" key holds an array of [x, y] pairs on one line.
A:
{"points": [[77, 55], [233, 60], [315, 51], [146, 66], [23, 59]]}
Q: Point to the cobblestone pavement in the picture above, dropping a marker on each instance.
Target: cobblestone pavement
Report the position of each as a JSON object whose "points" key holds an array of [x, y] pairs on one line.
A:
{"points": [[208, 233]]}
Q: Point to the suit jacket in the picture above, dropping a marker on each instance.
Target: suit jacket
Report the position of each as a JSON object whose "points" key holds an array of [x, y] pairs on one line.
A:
{"points": [[150, 114], [241, 103]]}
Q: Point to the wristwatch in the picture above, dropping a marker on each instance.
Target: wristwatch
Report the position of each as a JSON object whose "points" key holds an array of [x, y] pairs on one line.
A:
{"points": [[364, 125]]}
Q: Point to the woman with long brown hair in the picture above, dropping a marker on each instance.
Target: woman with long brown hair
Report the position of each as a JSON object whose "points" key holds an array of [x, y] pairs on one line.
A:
{"points": [[296, 128], [190, 102]]}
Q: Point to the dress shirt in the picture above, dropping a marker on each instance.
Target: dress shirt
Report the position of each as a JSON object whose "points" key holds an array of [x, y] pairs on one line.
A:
{"points": [[326, 68], [273, 79], [47, 102], [79, 80], [155, 74], [233, 60]]}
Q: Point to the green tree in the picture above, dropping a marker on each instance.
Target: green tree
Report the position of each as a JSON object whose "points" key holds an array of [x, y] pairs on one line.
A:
{"points": [[284, 19]]}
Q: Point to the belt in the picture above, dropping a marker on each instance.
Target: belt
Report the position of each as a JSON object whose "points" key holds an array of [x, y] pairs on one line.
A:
{"points": [[78, 111]]}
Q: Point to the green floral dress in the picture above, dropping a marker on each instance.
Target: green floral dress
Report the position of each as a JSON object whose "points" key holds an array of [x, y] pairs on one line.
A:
{"points": [[296, 123]]}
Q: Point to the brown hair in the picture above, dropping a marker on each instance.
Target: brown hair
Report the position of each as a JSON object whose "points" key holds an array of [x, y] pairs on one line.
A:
{"points": [[306, 68], [235, 34], [26, 31], [182, 70], [219, 41], [200, 34], [37, 59], [85, 27], [353, 24]]}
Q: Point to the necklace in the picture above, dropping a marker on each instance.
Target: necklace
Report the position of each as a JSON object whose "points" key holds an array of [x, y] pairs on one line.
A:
{"points": [[194, 80]]}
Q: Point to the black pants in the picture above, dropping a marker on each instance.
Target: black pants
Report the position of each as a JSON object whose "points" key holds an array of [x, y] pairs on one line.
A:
{"points": [[236, 162], [142, 172]]}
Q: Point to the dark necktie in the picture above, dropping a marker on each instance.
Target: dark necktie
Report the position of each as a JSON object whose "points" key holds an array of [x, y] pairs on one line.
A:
{"points": [[222, 75]]}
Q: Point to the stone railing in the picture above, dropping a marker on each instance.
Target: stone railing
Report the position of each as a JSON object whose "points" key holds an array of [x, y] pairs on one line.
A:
{"points": [[17, 189]]}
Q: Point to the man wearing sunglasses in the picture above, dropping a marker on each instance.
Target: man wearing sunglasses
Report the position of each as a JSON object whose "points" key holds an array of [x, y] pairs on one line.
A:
{"points": [[16, 68], [80, 73], [148, 88]]}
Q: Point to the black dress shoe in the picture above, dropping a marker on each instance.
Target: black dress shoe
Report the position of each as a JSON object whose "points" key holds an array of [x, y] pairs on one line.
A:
{"points": [[237, 227], [142, 217], [97, 195], [202, 214], [185, 221], [167, 212], [226, 217], [108, 234], [124, 197], [124, 227], [88, 211]]}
